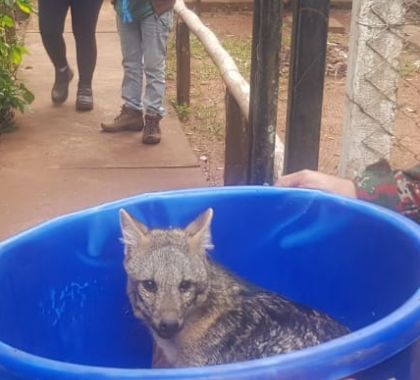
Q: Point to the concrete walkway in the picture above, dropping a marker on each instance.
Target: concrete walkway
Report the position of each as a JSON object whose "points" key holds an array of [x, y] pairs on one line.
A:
{"points": [[59, 161]]}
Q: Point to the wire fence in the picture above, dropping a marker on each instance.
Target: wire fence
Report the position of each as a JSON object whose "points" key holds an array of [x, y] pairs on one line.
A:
{"points": [[407, 126], [391, 82], [388, 98]]}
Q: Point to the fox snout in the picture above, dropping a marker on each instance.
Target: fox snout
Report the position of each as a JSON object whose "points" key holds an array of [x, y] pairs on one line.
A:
{"points": [[168, 325], [168, 328]]}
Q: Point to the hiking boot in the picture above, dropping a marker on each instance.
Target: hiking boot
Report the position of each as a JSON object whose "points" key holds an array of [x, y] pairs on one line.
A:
{"points": [[84, 99], [151, 133], [60, 90], [129, 119]]}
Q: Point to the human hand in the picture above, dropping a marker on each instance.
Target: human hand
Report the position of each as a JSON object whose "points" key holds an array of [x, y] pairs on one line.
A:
{"points": [[315, 180]]}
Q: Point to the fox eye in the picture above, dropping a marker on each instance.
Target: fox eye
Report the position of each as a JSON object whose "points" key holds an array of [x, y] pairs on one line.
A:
{"points": [[149, 285], [184, 286]]}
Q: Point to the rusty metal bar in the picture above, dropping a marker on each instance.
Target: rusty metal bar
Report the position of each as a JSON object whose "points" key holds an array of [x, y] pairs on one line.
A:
{"points": [[306, 84], [266, 42]]}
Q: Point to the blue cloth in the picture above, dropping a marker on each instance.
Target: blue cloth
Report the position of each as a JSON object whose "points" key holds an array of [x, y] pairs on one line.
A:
{"points": [[133, 10]]}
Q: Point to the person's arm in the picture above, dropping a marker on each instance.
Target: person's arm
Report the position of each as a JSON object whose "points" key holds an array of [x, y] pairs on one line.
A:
{"points": [[310, 179], [397, 190]]}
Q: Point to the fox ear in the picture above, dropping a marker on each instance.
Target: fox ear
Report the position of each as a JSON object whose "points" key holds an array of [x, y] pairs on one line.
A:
{"points": [[199, 232], [134, 233]]}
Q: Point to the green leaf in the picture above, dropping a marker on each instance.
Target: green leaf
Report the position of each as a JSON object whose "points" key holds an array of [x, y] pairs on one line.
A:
{"points": [[7, 21], [28, 96], [24, 6], [23, 49], [3, 50], [16, 56]]}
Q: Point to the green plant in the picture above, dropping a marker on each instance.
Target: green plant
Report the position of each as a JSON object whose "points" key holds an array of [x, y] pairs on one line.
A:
{"points": [[209, 117], [240, 50], [13, 94], [183, 110]]}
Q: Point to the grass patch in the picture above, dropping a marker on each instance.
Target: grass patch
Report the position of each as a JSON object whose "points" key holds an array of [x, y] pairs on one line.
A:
{"points": [[206, 117], [182, 110], [209, 119], [409, 65], [240, 50], [202, 65]]}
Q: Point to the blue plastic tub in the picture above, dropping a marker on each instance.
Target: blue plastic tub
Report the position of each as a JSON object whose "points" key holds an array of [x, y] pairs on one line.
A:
{"points": [[64, 313]]}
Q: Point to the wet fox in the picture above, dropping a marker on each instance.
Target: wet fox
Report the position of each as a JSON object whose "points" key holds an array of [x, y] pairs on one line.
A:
{"points": [[199, 313]]}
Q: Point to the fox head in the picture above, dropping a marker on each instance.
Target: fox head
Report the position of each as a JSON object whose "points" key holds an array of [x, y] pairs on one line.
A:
{"points": [[167, 271]]}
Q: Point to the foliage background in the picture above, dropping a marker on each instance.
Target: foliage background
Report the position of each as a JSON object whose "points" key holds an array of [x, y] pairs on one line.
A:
{"points": [[13, 94]]}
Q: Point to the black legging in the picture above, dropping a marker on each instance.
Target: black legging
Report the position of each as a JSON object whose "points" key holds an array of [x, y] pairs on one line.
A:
{"points": [[52, 15]]}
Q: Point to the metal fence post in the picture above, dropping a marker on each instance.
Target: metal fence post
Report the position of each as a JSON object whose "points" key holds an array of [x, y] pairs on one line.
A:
{"points": [[306, 84], [266, 42]]}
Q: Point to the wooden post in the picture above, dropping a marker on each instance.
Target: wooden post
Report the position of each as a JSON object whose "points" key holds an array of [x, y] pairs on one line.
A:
{"points": [[237, 144], [183, 63], [306, 84], [372, 83], [266, 41]]}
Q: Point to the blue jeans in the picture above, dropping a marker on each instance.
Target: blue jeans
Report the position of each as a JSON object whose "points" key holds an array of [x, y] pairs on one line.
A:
{"points": [[143, 46]]}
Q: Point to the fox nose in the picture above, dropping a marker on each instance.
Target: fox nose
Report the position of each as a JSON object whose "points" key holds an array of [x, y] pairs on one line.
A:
{"points": [[168, 328]]}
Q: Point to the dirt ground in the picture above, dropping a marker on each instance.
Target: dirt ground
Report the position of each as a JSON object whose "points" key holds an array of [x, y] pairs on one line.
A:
{"points": [[208, 141]]}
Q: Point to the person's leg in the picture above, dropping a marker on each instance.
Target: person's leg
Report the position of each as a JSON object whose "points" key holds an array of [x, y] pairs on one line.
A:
{"points": [[155, 30], [84, 20], [132, 52], [131, 116], [52, 15]]}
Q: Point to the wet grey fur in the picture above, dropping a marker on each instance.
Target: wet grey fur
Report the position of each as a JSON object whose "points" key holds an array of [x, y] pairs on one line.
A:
{"points": [[214, 317]]}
